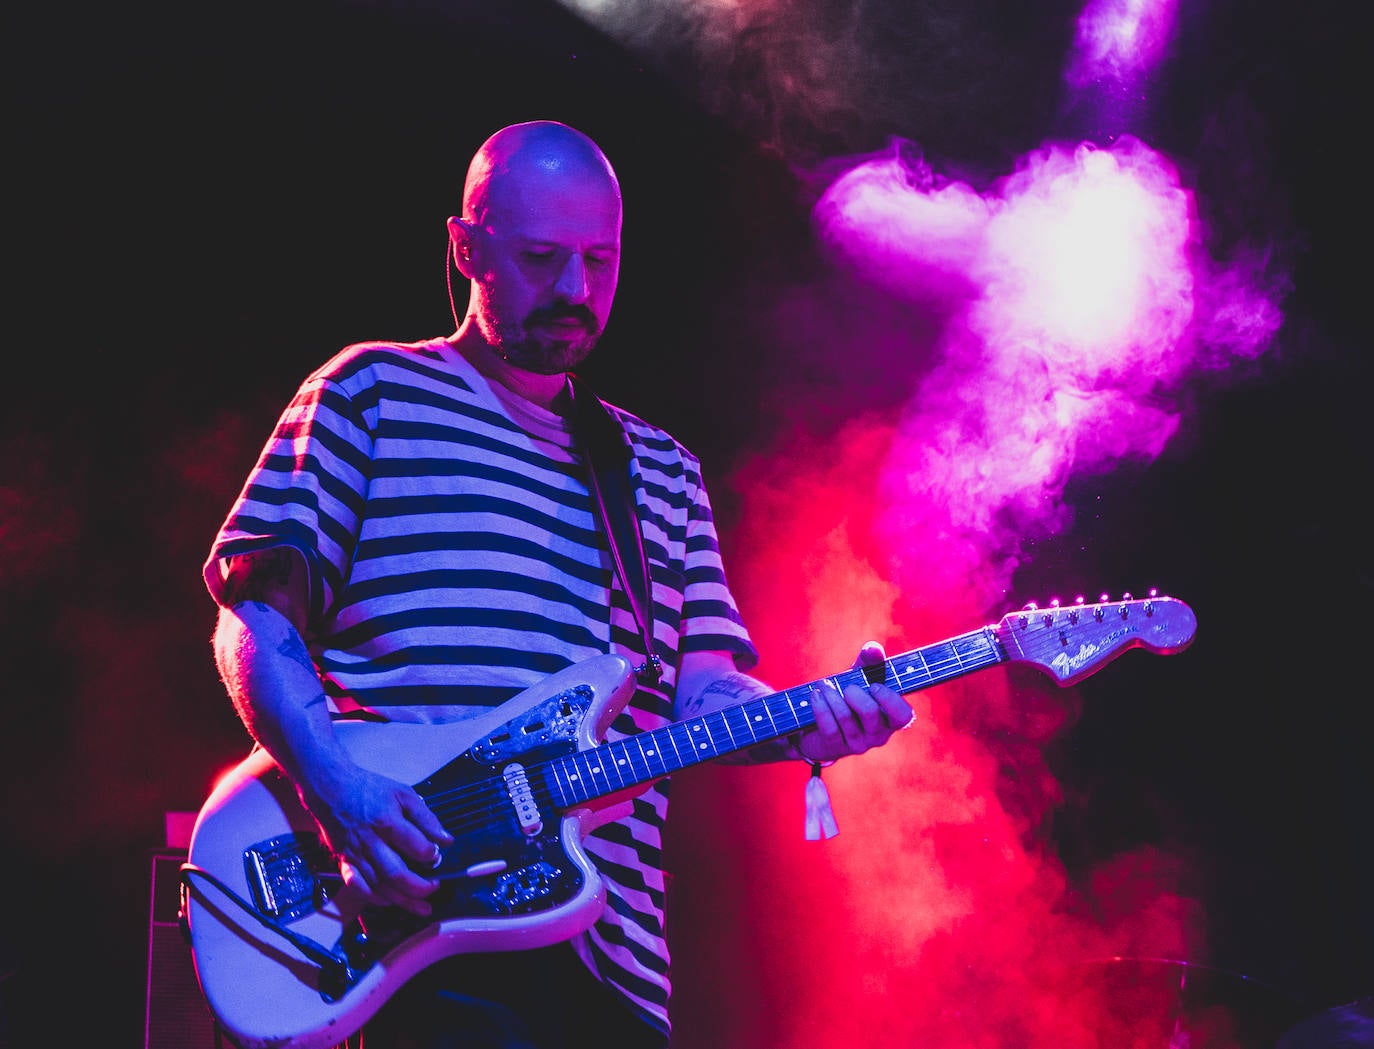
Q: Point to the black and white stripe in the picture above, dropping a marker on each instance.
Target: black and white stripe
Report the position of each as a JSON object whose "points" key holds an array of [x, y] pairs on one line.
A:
{"points": [[455, 560]]}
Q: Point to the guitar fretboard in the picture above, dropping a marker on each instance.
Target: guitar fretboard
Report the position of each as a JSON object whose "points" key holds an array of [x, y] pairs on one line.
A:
{"points": [[647, 756]]}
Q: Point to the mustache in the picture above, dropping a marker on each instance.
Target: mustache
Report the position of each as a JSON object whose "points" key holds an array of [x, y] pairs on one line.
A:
{"points": [[552, 314]]}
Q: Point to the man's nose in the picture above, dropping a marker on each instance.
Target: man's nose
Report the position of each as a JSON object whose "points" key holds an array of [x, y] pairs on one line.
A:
{"points": [[572, 282]]}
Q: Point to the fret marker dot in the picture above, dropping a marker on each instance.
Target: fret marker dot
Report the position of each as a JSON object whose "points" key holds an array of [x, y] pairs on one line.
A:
{"points": [[696, 728], [650, 753], [621, 761], [701, 746], [758, 717]]}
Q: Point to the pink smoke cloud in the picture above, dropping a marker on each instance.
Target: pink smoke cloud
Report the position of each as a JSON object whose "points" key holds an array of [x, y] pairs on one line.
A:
{"points": [[1120, 39], [1075, 299], [1084, 300]]}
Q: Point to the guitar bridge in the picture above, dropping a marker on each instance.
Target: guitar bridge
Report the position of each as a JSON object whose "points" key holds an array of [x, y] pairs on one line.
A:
{"points": [[289, 876]]}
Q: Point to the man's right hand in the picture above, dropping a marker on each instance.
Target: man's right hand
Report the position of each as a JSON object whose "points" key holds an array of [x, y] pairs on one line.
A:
{"points": [[386, 839]]}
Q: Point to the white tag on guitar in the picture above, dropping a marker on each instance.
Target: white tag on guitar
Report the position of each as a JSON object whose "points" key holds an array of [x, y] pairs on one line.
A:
{"points": [[820, 820]]}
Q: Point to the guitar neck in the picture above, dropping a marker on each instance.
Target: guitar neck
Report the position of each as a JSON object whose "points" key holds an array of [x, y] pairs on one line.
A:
{"points": [[647, 756]]}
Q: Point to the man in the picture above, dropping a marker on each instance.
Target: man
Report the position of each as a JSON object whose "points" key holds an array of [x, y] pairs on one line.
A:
{"points": [[419, 542]]}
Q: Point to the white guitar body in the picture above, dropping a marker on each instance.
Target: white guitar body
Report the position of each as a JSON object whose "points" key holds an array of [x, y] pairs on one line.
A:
{"points": [[267, 993]]}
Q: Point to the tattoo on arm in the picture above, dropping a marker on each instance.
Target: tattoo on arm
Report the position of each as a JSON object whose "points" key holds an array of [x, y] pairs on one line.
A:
{"points": [[737, 687], [263, 568], [293, 648]]}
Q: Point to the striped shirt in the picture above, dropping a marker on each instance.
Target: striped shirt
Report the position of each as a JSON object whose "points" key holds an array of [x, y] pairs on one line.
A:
{"points": [[455, 560]]}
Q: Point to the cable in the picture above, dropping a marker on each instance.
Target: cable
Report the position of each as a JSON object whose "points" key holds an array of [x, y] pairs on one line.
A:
{"points": [[336, 975]]}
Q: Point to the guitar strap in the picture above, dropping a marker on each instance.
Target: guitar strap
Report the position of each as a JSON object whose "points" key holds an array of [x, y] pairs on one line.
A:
{"points": [[607, 449]]}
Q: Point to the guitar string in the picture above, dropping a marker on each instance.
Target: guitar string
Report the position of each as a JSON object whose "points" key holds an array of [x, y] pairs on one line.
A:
{"points": [[481, 803], [463, 802], [475, 804]]}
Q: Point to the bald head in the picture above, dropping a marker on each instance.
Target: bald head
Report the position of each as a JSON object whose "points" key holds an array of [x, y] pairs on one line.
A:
{"points": [[532, 157], [539, 239]]}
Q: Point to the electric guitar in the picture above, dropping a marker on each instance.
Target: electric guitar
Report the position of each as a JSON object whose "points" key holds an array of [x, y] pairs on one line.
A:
{"points": [[285, 961]]}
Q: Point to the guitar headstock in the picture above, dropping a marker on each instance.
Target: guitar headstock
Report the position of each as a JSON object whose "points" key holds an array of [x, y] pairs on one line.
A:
{"points": [[1070, 642]]}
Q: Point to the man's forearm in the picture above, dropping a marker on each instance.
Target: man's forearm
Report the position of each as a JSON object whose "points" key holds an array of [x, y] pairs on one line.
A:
{"points": [[275, 688], [732, 690]]}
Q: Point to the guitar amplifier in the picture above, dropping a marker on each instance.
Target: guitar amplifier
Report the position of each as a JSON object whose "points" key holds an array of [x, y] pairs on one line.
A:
{"points": [[177, 1016]]}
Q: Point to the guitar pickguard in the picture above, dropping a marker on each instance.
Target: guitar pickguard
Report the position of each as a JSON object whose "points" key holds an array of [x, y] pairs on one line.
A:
{"points": [[510, 859], [507, 857]]}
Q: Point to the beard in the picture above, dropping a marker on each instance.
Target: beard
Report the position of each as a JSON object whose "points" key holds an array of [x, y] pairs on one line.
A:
{"points": [[543, 356], [540, 352]]}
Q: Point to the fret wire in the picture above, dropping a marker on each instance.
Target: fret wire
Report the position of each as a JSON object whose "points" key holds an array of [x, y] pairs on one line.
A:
{"points": [[699, 754], [714, 746], [752, 715], [793, 719], [669, 732], [679, 735], [805, 704], [608, 761], [772, 722], [559, 782], [699, 725], [925, 666], [588, 778], [890, 675], [900, 675], [725, 724], [744, 724], [648, 765], [643, 771], [621, 762], [601, 770], [576, 791]]}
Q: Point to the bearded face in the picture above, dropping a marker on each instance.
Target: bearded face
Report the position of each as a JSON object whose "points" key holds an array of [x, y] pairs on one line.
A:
{"points": [[548, 339], [545, 263]]}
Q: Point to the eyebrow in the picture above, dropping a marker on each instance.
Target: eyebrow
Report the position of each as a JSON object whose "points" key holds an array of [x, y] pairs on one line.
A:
{"points": [[525, 241]]}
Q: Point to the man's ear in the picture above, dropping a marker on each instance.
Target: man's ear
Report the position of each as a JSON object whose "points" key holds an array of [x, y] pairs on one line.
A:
{"points": [[460, 236]]}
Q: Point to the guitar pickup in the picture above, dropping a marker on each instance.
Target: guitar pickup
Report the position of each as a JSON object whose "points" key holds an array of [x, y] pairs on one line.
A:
{"points": [[290, 876]]}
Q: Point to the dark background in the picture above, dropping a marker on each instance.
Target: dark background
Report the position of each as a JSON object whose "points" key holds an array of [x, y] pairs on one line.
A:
{"points": [[204, 204]]}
